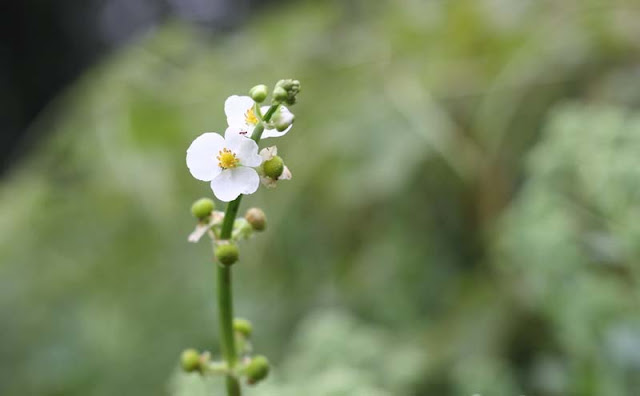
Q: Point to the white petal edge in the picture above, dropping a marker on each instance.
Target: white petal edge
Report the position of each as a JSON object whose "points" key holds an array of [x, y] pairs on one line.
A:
{"points": [[237, 131], [274, 132], [268, 182], [201, 156], [245, 149], [232, 182], [268, 152], [235, 108], [286, 174]]}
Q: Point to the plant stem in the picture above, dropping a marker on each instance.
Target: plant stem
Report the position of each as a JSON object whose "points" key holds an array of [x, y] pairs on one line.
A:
{"points": [[225, 295], [229, 218]]}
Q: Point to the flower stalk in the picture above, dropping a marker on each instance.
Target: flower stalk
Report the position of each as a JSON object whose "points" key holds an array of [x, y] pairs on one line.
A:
{"points": [[225, 291], [234, 167]]}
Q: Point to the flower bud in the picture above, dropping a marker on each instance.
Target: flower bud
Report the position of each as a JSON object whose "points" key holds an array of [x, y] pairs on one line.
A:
{"points": [[256, 218], [190, 360], [279, 94], [259, 93], [242, 326], [291, 87], [283, 119], [273, 168], [241, 229], [202, 208], [227, 253], [257, 369]]}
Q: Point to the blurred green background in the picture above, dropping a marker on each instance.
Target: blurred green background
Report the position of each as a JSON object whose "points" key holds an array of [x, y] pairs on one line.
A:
{"points": [[464, 214]]}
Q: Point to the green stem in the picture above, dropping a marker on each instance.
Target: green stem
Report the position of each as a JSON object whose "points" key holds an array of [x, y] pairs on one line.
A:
{"points": [[229, 218], [225, 312], [225, 295]]}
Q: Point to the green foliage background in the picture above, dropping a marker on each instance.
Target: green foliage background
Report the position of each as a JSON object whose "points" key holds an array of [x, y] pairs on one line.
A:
{"points": [[463, 219]]}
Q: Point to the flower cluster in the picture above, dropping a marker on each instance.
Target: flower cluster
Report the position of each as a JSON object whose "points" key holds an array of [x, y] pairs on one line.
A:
{"points": [[254, 368], [231, 163], [234, 166]]}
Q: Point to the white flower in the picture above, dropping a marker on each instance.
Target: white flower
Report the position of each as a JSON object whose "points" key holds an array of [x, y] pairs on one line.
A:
{"points": [[268, 153], [226, 163], [240, 115]]}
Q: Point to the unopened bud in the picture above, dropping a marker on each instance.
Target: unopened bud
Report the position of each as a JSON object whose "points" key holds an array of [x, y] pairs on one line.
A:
{"points": [[291, 87], [202, 208], [256, 218], [227, 253], [273, 168], [257, 370], [259, 93], [279, 94], [283, 119], [243, 327], [241, 229], [190, 360]]}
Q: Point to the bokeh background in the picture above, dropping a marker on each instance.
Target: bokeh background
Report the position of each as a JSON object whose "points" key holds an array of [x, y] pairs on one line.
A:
{"points": [[464, 216]]}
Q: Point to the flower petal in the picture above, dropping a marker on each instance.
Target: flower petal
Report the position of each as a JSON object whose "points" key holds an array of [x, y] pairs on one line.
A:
{"points": [[268, 152], [201, 156], [232, 182], [286, 174], [236, 107], [274, 132], [245, 149], [239, 131], [268, 182], [202, 228]]}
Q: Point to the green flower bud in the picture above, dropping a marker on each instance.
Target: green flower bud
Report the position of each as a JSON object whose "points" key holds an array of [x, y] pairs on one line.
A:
{"points": [[202, 208], [227, 253], [289, 84], [291, 87], [190, 360], [241, 229], [273, 168], [279, 94], [259, 93], [242, 326], [256, 218], [257, 369]]}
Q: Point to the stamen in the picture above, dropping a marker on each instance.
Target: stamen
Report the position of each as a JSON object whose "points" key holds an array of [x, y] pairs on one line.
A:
{"points": [[227, 159], [250, 117]]}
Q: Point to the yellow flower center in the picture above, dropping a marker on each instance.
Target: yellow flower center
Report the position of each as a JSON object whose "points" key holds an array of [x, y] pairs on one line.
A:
{"points": [[250, 117], [227, 159]]}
